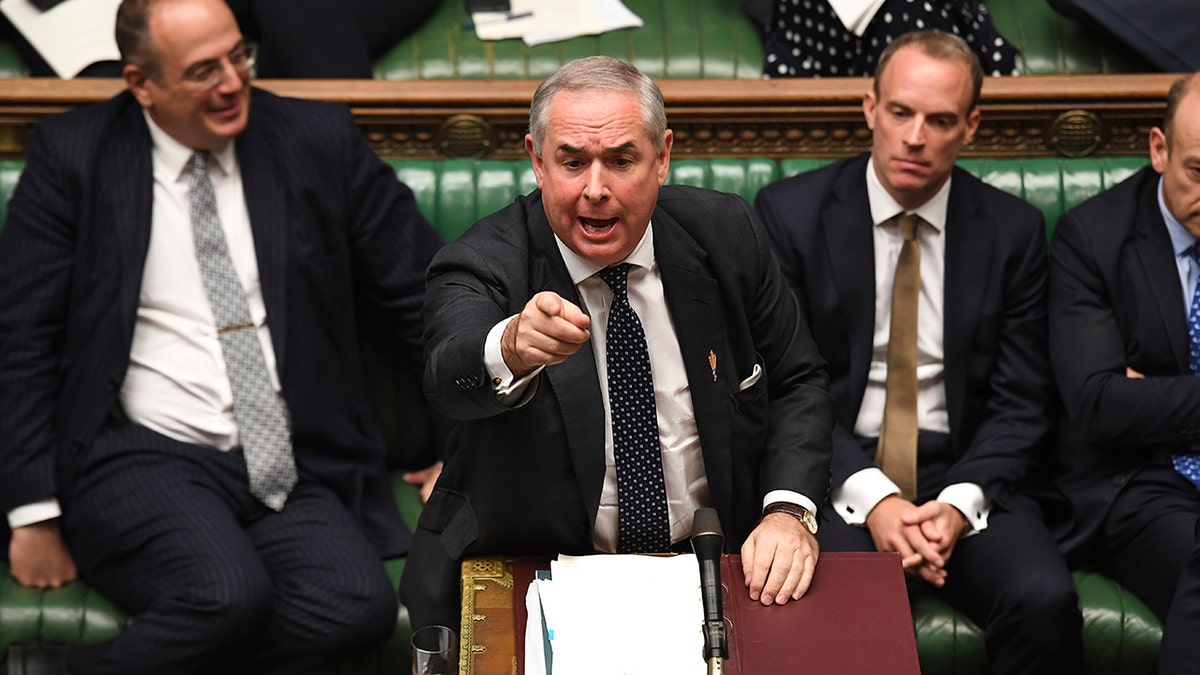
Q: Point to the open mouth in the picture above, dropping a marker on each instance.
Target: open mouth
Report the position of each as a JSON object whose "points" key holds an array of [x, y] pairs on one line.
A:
{"points": [[597, 225]]}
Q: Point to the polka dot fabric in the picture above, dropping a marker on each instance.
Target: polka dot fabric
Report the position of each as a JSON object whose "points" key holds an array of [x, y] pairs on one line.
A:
{"points": [[1189, 465], [643, 525], [807, 39]]}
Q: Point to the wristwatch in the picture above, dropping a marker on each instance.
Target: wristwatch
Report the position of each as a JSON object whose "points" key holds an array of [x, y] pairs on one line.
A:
{"points": [[799, 512]]}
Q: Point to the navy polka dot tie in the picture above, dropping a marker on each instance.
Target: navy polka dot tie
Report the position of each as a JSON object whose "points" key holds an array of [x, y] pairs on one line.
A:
{"points": [[643, 525], [1189, 465]]}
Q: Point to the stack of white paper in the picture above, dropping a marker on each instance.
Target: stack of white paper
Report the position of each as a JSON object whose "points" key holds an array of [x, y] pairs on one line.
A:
{"points": [[540, 21], [603, 614], [70, 36]]}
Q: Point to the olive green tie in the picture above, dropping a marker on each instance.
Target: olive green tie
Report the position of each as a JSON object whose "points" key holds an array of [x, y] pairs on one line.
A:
{"points": [[897, 452]]}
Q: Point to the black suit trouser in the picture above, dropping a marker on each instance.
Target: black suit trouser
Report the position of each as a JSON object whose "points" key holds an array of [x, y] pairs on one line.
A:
{"points": [[215, 581], [1010, 579], [1148, 536]]}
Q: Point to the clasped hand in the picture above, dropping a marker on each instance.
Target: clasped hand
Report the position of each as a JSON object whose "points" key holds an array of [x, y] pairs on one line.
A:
{"points": [[924, 535]]}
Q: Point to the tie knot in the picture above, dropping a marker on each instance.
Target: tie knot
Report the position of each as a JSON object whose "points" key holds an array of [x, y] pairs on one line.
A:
{"points": [[616, 277], [1193, 252], [908, 225], [200, 161]]}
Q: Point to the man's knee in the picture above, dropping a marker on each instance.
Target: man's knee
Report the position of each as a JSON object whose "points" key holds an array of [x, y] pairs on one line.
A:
{"points": [[357, 608], [372, 618], [1046, 605]]}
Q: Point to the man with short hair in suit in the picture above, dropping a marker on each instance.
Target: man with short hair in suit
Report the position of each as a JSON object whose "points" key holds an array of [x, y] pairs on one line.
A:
{"points": [[925, 289], [1125, 348], [619, 354], [181, 282]]}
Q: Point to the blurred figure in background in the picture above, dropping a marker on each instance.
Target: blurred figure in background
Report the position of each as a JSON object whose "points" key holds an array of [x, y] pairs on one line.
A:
{"points": [[326, 38], [844, 38]]}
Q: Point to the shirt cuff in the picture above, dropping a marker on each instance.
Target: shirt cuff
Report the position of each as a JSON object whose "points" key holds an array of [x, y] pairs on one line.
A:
{"points": [[47, 509], [968, 498], [854, 499], [509, 390], [791, 497]]}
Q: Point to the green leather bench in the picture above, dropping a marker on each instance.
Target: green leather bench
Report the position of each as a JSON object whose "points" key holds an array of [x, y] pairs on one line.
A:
{"points": [[700, 39], [1121, 635]]}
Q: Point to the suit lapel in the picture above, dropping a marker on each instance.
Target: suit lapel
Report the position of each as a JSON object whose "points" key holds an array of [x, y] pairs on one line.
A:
{"points": [[1153, 246], [574, 382], [265, 189], [850, 245], [694, 301], [128, 199], [967, 272]]}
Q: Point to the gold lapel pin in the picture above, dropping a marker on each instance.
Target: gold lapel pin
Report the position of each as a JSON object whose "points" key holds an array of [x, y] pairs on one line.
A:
{"points": [[712, 363]]}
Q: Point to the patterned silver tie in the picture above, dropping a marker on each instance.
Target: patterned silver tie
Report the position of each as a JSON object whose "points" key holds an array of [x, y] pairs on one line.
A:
{"points": [[262, 417]]}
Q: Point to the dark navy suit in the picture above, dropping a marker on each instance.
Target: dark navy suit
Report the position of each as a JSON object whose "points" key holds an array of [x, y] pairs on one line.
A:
{"points": [[1116, 302], [336, 234], [1008, 578]]}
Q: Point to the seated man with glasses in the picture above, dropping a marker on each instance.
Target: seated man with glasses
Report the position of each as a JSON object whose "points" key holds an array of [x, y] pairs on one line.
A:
{"points": [[185, 419]]}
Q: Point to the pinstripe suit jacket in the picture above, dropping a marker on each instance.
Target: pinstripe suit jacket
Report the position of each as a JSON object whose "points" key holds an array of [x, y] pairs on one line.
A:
{"points": [[334, 232]]}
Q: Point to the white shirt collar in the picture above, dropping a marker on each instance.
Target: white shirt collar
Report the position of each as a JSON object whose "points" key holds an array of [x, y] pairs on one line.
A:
{"points": [[173, 157], [581, 268], [884, 207]]}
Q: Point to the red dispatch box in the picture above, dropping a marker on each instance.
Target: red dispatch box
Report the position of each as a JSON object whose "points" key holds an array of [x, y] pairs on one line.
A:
{"points": [[855, 618]]}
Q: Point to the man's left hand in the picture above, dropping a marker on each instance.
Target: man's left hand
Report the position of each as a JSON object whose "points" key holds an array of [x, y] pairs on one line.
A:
{"points": [[941, 523], [778, 559], [425, 479]]}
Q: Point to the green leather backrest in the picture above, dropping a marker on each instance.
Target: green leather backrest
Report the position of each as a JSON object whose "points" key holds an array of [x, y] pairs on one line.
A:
{"points": [[679, 39], [453, 194]]}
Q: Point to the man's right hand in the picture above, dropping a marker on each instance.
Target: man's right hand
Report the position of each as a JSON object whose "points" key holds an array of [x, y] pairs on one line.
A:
{"points": [[918, 554], [546, 332], [38, 556]]}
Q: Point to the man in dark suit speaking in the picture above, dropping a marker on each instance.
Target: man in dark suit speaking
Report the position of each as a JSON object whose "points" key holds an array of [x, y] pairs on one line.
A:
{"points": [[184, 413], [926, 291], [619, 354]]}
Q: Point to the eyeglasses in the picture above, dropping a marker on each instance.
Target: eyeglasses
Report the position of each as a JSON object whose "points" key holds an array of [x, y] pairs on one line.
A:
{"points": [[210, 74]]}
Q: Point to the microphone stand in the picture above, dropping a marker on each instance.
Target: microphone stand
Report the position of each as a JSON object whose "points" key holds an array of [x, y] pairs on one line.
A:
{"points": [[708, 540]]}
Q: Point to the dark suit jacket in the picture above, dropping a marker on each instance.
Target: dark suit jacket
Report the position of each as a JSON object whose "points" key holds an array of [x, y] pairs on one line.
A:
{"points": [[1116, 302], [528, 480], [998, 389], [335, 233], [1166, 32]]}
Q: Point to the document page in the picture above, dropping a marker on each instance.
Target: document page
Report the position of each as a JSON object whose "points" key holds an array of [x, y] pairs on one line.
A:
{"points": [[630, 614], [541, 21], [70, 36]]}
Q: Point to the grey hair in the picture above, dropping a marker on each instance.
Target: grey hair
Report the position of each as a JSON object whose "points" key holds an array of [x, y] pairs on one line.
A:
{"points": [[600, 73]]}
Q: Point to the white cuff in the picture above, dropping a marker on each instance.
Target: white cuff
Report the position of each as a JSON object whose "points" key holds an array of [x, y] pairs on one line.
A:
{"points": [[791, 497], [968, 498], [510, 391], [854, 499], [47, 509]]}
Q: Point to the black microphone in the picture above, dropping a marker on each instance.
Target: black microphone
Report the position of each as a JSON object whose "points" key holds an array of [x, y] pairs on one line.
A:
{"points": [[708, 541]]}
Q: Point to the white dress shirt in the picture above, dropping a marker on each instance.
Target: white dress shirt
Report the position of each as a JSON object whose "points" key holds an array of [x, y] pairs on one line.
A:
{"points": [[683, 461], [855, 498], [176, 382]]}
